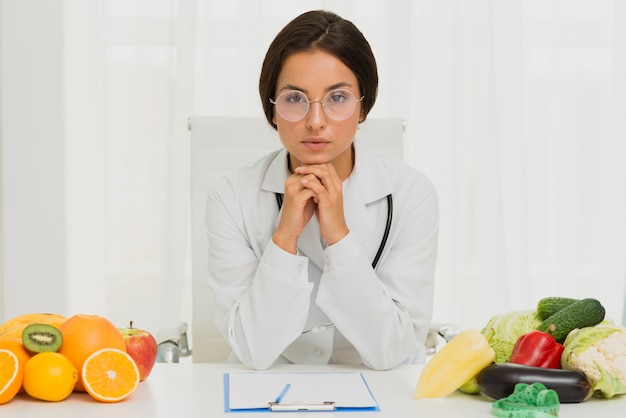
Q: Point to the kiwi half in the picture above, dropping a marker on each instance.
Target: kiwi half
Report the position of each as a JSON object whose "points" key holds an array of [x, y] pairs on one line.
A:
{"points": [[38, 338]]}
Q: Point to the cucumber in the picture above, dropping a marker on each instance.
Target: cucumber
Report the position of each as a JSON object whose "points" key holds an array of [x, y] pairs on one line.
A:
{"points": [[547, 307], [498, 381], [583, 313]]}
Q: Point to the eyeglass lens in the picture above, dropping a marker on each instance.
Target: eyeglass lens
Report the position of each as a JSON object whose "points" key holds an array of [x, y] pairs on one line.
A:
{"points": [[293, 105]]}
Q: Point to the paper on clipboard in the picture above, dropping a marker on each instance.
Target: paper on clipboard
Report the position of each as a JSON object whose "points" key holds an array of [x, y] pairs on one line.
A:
{"points": [[245, 391]]}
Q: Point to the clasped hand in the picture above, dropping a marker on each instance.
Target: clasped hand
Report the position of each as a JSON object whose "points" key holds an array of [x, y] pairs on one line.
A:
{"points": [[311, 189]]}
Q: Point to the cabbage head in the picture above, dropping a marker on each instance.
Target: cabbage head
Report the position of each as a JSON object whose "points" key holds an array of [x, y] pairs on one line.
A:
{"points": [[600, 353], [503, 330]]}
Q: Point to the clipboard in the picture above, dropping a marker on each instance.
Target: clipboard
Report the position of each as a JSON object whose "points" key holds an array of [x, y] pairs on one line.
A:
{"points": [[267, 392]]}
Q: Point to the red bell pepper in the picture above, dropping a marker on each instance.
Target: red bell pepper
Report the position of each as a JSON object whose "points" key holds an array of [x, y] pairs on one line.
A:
{"points": [[538, 349]]}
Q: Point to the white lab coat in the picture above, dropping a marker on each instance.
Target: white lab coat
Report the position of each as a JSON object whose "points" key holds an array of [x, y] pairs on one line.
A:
{"points": [[266, 297]]}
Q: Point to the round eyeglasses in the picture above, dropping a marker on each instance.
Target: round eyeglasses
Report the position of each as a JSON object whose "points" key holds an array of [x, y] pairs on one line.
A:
{"points": [[293, 105]]}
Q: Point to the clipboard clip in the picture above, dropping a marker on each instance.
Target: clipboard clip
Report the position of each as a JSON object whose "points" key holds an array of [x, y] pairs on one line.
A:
{"points": [[301, 406]]}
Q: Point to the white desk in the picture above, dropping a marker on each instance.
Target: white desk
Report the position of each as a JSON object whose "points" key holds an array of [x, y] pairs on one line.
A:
{"points": [[189, 390]]}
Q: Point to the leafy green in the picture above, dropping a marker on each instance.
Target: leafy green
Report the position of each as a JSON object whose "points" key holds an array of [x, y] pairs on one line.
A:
{"points": [[503, 330]]}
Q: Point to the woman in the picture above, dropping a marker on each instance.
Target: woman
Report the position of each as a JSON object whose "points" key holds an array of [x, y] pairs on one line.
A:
{"points": [[294, 238]]}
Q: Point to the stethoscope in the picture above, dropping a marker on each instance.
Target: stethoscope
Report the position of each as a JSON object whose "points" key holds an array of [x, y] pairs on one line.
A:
{"points": [[381, 247]]}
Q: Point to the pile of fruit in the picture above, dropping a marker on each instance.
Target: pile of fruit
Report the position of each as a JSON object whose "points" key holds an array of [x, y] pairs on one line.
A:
{"points": [[564, 343], [49, 356]]}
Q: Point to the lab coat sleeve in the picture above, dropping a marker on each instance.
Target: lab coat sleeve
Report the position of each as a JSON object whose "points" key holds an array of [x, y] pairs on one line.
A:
{"points": [[262, 294], [386, 313]]}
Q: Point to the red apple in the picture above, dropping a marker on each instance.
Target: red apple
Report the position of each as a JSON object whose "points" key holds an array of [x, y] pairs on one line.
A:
{"points": [[142, 347]]}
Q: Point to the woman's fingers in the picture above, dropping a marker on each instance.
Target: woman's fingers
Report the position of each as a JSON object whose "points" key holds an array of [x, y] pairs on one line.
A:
{"points": [[324, 173], [328, 195]]}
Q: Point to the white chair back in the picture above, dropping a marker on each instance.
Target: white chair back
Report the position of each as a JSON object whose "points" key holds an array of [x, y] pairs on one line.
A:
{"points": [[218, 146]]}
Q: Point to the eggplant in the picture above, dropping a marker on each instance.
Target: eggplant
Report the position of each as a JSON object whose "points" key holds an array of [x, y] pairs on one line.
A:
{"points": [[498, 381]]}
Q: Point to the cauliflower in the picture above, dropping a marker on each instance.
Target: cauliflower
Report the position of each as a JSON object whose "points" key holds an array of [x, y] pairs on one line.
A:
{"points": [[600, 353]]}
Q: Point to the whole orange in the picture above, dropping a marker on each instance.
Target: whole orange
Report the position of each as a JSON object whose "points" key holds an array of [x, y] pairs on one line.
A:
{"points": [[49, 376], [15, 345], [83, 335]]}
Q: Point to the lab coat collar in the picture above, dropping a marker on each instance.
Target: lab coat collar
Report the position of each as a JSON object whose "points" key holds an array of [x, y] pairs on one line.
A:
{"points": [[371, 184], [370, 174], [277, 173]]}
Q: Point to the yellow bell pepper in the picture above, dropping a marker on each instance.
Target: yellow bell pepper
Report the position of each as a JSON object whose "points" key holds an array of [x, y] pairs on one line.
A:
{"points": [[458, 361]]}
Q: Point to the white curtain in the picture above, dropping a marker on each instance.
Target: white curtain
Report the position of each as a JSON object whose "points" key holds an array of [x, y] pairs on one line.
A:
{"points": [[514, 109]]}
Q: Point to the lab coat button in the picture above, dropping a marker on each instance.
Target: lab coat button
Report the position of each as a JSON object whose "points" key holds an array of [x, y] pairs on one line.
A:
{"points": [[319, 351]]}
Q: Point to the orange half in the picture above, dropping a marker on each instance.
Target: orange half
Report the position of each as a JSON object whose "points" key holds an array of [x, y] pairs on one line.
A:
{"points": [[11, 375], [15, 345], [110, 375]]}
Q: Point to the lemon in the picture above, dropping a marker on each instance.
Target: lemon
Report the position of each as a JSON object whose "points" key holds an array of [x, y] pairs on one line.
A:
{"points": [[49, 376]]}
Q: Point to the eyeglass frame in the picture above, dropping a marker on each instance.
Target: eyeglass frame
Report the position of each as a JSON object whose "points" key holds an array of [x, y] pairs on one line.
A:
{"points": [[321, 101]]}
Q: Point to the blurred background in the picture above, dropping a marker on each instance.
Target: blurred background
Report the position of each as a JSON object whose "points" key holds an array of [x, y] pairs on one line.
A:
{"points": [[515, 110]]}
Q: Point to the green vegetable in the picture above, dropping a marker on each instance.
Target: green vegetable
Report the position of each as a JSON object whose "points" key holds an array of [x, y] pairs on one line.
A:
{"points": [[547, 307], [503, 330], [599, 353], [470, 387], [583, 313]]}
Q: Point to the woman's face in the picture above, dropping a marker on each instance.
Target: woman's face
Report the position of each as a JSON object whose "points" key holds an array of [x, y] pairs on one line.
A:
{"points": [[317, 138]]}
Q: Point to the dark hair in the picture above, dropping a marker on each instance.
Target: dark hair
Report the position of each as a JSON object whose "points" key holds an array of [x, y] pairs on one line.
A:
{"points": [[325, 31]]}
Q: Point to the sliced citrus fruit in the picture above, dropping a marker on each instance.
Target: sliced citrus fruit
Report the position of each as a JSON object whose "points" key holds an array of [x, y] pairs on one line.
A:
{"points": [[15, 345], [110, 375], [49, 376], [11, 375]]}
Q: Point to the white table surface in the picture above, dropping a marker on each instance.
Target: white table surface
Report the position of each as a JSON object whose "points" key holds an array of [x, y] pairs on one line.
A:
{"points": [[196, 390]]}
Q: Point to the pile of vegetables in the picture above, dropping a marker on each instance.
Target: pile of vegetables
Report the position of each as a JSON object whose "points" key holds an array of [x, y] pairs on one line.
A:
{"points": [[565, 344], [554, 316]]}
